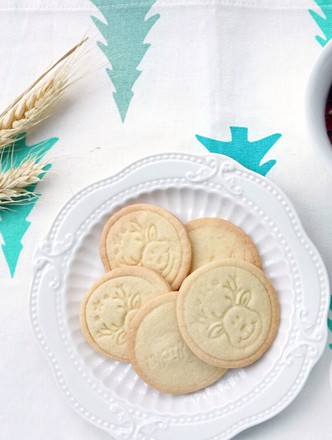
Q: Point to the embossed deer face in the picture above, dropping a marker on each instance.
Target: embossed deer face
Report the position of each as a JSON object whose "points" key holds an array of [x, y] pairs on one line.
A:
{"points": [[141, 246], [156, 255], [240, 323]]}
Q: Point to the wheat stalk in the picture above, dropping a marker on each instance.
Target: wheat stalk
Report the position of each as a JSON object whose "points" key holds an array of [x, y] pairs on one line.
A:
{"points": [[28, 109], [35, 103], [15, 180]]}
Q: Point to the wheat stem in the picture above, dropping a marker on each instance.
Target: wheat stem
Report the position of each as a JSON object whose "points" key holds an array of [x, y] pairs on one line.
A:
{"points": [[35, 103], [15, 180]]}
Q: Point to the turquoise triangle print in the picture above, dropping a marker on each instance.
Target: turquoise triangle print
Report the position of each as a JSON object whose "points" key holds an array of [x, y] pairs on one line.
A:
{"points": [[323, 20], [329, 321], [13, 221], [248, 153], [124, 31]]}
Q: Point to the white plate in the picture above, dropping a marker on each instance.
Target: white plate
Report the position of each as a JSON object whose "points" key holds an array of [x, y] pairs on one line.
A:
{"points": [[109, 394]]}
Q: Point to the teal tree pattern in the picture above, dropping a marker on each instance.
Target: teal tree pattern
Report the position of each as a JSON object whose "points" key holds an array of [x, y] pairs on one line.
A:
{"points": [[249, 154], [13, 221], [124, 31], [324, 20]]}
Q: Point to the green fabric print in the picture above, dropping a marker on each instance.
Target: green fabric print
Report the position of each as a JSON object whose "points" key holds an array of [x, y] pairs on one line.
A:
{"points": [[323, 21], [124, 31], [329, 321], [13, 222], [249, 154]]}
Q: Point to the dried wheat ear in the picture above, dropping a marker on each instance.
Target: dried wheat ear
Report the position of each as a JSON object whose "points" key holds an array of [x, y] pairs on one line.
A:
{"points": [[36, 102], [14, 182]]}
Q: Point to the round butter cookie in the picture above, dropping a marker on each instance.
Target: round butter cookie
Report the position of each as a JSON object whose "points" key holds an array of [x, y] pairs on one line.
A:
{"points": [[214, 239], [148, 236], [159, 354], [111, 303], [228, 313]]}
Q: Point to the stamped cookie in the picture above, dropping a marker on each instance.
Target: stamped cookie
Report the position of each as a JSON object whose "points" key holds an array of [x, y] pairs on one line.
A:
{"points": [[148, 236], [214, 239], [110, 304], [159, 354], [228, 313]]}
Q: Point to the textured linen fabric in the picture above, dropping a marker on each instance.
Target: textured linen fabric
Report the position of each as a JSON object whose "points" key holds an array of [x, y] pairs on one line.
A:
{"points": [[222, 75]]}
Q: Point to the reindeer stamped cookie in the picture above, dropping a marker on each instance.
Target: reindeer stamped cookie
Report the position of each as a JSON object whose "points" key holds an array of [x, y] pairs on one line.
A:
{"points": [[148, 236], [214, 239], [110, 304], [159, 354], [228, 313]]}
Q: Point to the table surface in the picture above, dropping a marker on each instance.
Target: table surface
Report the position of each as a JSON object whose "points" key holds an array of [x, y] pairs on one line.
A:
{"points": [[219, 75]]}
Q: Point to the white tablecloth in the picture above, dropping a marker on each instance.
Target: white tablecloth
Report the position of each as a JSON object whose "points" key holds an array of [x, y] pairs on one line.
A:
{"points": [[212, 65]]}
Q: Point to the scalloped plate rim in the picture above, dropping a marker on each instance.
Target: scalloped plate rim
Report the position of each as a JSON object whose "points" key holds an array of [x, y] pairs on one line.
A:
{"points": [[124, 173]]}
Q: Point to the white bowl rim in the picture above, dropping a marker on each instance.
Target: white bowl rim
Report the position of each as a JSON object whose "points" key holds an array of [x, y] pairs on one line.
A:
{"points": [[318, 86]]}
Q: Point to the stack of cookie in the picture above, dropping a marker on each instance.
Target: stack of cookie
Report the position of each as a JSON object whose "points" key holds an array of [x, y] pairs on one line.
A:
{"points": [[182, 303]]}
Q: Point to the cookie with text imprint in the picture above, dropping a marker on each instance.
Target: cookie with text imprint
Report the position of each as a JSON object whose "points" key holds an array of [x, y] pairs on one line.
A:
{"points": [[159, 354], [228, 313], [214, 239], [148, 236], [110, 304]]}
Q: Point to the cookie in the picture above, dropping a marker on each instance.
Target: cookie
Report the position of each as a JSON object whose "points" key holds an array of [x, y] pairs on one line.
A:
{"points": [[159, 354], [213, 239], [228, 313], [148, 236], [110, 304]]}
